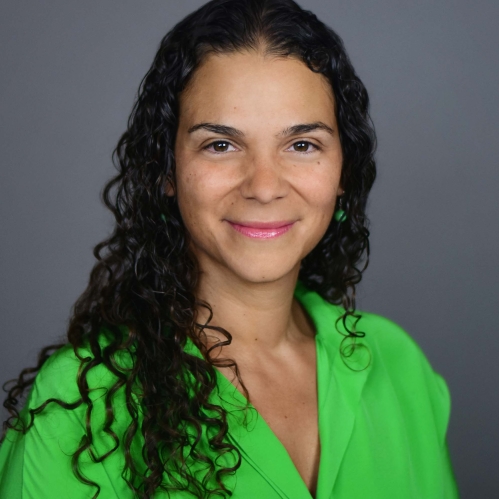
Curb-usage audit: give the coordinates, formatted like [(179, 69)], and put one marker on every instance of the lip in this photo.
[(262, 230), (263, 225)]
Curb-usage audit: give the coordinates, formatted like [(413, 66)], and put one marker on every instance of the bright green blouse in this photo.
[(382, 429)]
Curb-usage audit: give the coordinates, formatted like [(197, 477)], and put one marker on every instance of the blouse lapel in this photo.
[(339, 386), (341, 393)]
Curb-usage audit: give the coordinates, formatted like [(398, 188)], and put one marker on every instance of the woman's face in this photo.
[(259, 168)]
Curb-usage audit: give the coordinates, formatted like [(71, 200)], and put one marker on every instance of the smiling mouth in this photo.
[(265, 230)]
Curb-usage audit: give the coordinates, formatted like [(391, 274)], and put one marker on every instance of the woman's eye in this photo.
[(303, 147), (219, 146)]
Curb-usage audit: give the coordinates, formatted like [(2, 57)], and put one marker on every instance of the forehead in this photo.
[(252, 84)]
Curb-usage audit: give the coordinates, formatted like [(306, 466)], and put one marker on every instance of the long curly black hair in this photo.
[(141, 290)]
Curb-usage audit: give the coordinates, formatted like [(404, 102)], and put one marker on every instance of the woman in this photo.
[(217, 350)]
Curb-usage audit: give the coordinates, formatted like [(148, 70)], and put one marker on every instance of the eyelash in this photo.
[(317, 148)]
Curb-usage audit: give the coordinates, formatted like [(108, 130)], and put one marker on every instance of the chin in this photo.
[(263, 273)]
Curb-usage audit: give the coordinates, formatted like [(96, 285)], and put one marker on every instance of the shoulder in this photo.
[(59, 377), (389, 343), (392, 350), (398, 372), (381, 334), (73, 394), (392, 346), (400, 365), (62, 426), (388, 338)]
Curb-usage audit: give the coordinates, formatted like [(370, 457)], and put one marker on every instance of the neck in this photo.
[(259, 316)]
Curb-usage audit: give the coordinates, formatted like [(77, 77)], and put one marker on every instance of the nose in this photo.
[(263, 178)]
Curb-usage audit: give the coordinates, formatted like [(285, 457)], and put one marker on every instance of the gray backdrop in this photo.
[(68, 76)]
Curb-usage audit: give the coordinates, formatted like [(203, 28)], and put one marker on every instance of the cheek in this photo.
[(189, 195), (325, 205), (204, 183), (322, 189), (198, 191)]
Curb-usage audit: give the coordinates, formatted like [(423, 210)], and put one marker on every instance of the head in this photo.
[(259, 67), (254, 69)]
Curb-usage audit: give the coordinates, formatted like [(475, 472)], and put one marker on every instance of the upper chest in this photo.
[(285, 396), (291, 413)]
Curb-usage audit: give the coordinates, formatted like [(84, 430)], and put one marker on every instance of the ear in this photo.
[(169, 188), (340, 191)]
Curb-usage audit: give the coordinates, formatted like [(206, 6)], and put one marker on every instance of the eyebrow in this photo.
[(287, 132)]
